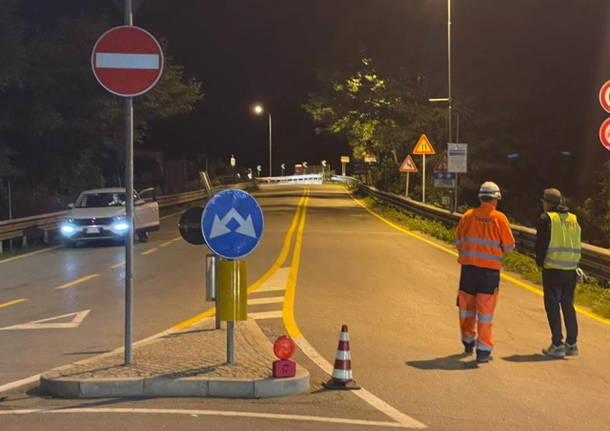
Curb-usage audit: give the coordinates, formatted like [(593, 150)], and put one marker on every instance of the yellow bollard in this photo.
[(232, 290)]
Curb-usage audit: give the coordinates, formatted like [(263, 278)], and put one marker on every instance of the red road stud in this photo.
[(342, 372), (284, 348)]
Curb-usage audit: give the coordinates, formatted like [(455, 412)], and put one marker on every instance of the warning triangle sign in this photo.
[(441, 163), (408, 165), (423, 147)]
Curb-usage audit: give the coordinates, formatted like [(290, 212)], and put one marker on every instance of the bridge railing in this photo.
[(595, 260), (47, 223), (293, 179)]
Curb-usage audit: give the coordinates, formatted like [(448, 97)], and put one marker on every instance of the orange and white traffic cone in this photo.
[(342, 372)]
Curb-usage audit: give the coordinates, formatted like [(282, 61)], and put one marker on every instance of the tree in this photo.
[(375, 115), (60, 125)]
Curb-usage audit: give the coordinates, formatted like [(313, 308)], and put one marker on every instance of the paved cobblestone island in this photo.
[(190, 362)]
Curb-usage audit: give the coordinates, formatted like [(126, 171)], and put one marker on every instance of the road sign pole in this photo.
[(423, 179), (407, 186), (128, 209)]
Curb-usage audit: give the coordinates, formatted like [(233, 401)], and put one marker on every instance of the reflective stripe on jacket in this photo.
[(564, 247), (483, 236)]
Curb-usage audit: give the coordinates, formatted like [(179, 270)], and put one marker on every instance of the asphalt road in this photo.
[(395, 291)]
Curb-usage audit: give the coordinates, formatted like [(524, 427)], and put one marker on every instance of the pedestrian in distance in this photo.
[(558, 254), (482, 237)]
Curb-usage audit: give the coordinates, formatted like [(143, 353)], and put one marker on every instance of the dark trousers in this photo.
[(559, 288)]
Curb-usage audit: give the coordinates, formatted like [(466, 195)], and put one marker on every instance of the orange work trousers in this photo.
[(476, 317)]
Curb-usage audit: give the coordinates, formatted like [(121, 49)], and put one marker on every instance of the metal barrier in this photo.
[(595, 260), (20, 227), (293, 179)]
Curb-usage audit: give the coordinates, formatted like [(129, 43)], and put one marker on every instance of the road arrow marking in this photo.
[(45, 323), (219, 226)]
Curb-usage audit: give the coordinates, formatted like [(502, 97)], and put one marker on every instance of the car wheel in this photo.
[(69, 244), (142, 236)]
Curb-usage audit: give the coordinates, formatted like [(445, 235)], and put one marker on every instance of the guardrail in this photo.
[(21, 227), (595, 260), (293, 179)]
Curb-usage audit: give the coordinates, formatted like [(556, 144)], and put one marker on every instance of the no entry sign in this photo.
[(604, 134), (127, 61), (604, 96)]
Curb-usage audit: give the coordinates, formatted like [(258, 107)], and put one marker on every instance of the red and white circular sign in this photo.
[(604, 96), (604, 134), (127, 61)]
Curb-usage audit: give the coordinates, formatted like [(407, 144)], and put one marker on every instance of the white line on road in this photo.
[(404, 420), (266, 315), (260, 301), (12, 385), (222, 413)]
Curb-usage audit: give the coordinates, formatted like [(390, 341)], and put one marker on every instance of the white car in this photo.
[(100, 214)]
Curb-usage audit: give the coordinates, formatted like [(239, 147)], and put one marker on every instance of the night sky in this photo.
[(546, 57)]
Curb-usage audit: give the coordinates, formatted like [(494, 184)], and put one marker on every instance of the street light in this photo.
[(449, 98), (259, 110)]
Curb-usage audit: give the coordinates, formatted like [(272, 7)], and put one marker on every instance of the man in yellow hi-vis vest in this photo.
[(558, 253)]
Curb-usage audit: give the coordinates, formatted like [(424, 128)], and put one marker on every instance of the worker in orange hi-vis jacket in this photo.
[(483, 236)]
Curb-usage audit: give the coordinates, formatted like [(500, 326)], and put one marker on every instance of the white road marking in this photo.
[(259, 301), (266, 315), (126, 61), (40, 324), (276, 282), (222, 413), (18, 383), (402, 419)]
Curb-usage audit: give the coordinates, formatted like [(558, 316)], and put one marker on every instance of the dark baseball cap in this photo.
[(552, 196)]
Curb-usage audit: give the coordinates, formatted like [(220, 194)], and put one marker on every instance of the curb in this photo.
[(65, 387)]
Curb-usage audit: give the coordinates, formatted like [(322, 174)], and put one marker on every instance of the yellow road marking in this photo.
[(117, 265), (506, 277), (288, 308), (21, 256), (165, 244), (277, 264), (152, 250), (16, 301), (80, 280)]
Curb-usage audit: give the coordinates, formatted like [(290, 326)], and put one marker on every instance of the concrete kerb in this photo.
[(62, 387)]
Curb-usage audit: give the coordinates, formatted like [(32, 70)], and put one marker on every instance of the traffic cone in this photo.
[(342, 372)]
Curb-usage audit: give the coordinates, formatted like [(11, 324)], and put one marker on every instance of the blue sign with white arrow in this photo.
[(232, 223)]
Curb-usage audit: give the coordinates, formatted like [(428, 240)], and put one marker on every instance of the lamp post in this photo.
[(258, 110), (449, 98)]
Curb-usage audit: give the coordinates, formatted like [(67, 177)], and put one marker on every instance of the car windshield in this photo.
[(101, 200)]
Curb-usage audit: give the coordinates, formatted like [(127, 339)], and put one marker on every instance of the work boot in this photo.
[(468, 347), (571, 349), (483, 356), (555, 351)]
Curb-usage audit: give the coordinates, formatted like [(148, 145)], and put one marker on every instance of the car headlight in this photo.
[(120, 225), (67, 229)]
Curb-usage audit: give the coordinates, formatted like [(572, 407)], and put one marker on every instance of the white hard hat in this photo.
[(490, 189)]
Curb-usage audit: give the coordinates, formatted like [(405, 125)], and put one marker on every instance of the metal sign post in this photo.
[(127, 61), (423, 147), (128, 210)]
